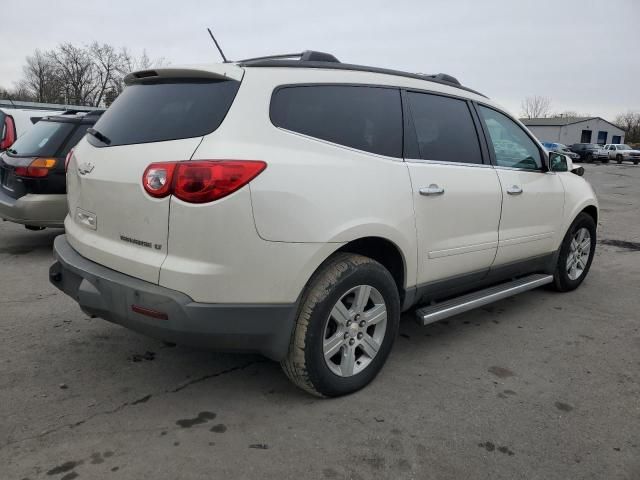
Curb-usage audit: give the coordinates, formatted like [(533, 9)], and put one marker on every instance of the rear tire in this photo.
[(576, 254), (339, 344), (635, 162), (605, 160)]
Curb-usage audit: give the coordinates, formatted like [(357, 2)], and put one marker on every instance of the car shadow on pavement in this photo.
[(20, 241)]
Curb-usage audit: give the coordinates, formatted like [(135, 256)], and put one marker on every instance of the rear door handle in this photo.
[(432, 189), (514, 190)]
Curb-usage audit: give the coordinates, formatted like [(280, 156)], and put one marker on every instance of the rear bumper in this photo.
[(105, 293), (32, 209)]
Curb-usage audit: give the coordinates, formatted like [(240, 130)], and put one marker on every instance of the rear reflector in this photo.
[(40, 167), (67, 159), (199, 181), (149, 312)]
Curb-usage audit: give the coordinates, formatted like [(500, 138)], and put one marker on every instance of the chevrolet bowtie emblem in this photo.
[(85, 168)]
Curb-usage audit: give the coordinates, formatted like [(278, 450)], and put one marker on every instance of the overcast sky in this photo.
[(583, 54)]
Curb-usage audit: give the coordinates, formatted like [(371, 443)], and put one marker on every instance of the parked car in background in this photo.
[(588, 152), (15, 122), (295, 207), (561, 148), (32, 170), (619, 152)]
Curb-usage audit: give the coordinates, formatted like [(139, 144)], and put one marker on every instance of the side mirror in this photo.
[(559, 162), (562, 163)]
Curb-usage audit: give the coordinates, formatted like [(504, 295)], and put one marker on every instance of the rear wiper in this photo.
[(103, 138)]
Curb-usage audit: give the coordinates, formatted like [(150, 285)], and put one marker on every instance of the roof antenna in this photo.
[(217, 46)]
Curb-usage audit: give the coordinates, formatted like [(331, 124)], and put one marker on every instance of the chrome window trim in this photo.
[(445, 162), (497, 167)]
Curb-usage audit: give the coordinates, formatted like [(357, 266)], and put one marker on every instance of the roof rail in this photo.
[(443, 78), (306, 56), (309, 59)]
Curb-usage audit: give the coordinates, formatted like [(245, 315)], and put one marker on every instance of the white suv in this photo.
[(296, 206)]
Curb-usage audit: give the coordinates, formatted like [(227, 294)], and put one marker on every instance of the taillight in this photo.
[(40, 167), (9, 133), (157, 179), (67, 159), (199, 181)]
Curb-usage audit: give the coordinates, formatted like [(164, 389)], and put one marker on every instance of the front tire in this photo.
[(576, 254), (619, 158), (589, 158), (347, 323), (605, 160)]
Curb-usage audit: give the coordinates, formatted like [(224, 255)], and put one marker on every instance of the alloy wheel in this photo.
[(579, 250), (354, 331)]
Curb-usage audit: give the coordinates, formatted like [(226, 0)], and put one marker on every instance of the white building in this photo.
[(569, 130)]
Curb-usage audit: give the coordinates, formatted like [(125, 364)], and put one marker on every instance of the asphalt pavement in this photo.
[(539, 386)]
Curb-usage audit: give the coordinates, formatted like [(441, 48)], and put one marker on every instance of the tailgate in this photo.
[(161, 116), (112, 220)]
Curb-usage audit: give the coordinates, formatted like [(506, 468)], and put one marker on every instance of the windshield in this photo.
[(624, 147), (44, 139)]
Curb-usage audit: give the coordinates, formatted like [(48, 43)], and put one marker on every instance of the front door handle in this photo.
[(514, 190), (432, 189)]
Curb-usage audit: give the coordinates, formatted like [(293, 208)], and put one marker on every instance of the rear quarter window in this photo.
[(168, 110), (361, 117)]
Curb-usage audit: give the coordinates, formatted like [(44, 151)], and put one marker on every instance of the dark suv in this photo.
[(32, 170), (588, 151)]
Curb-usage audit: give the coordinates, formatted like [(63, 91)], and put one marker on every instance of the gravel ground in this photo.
[(540, 386)]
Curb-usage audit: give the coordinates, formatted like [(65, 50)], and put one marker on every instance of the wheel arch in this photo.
[(383, 251), (592, 211)]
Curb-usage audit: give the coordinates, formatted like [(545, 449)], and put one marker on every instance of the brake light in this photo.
[(9, 135), (199, 181), (40, 167)]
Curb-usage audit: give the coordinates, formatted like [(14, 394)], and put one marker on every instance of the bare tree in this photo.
[(569, 114), (39, 78), (89, 75), (108, 67), (75, 70), (17, 93), (630, 123), (536, 107)]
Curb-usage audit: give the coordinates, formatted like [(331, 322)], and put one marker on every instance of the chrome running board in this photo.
[(439, 311)]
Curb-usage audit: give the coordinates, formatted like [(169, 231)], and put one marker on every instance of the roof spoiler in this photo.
[(210, 72)]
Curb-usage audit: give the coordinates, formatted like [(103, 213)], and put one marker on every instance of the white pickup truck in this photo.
[(619, 152)]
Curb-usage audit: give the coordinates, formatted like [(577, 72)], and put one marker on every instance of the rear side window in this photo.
[(361, 117), (44, 139), (444, 128), (160, 111)]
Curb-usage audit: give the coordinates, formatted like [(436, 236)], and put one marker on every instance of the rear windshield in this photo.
[(160, 111), (44, 139)]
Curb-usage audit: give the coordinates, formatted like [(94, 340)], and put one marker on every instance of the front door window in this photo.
[(511, 145)]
